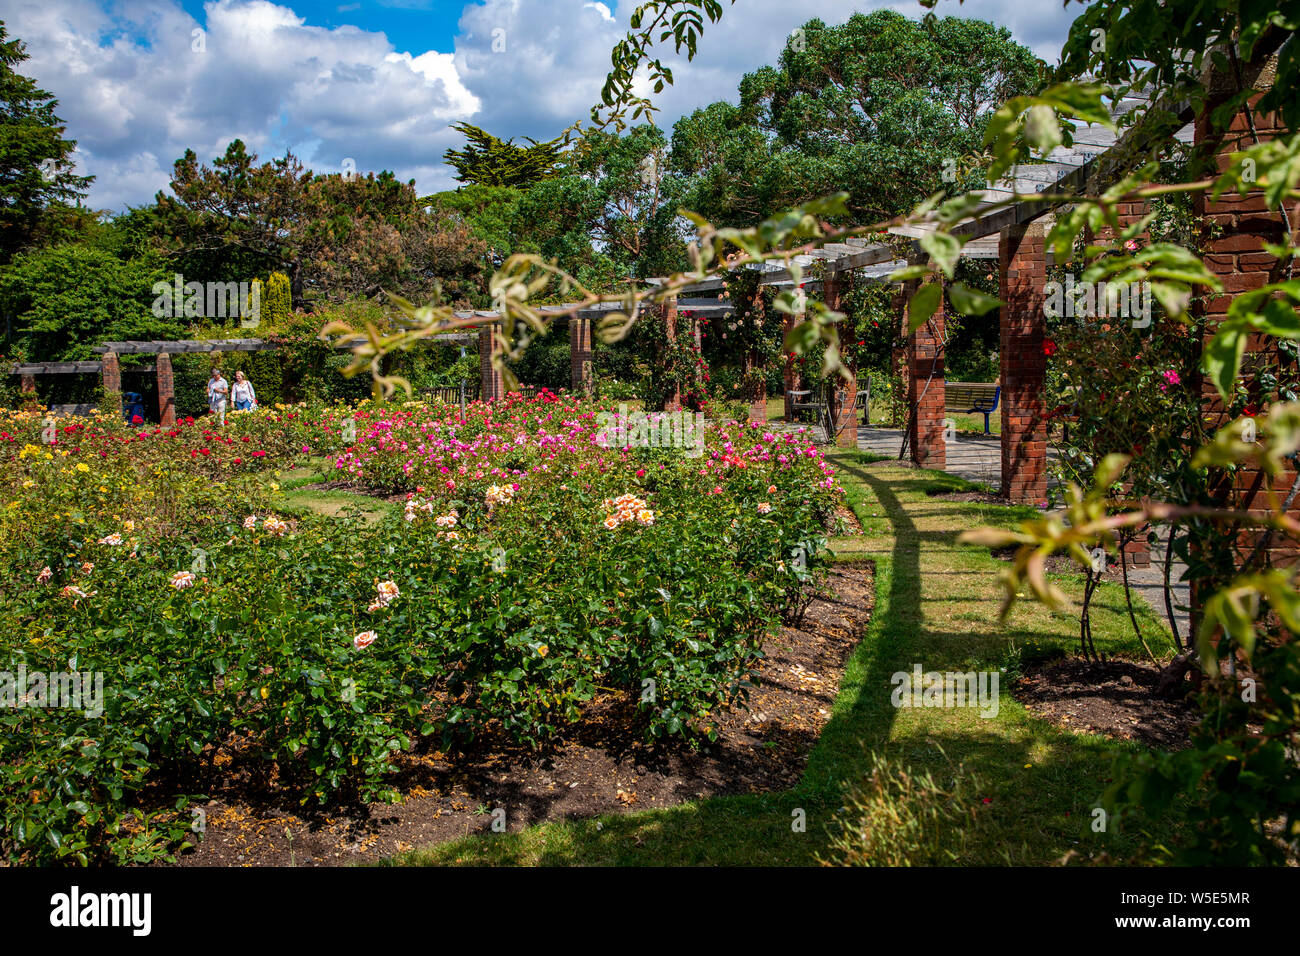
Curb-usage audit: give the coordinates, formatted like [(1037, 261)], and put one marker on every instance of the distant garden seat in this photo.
[(972, 398), (82, 409)]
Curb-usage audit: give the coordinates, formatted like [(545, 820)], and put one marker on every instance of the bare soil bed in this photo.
[(603, 765), (1113, 699)]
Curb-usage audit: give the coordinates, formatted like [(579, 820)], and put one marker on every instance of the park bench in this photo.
[(64, 411), (972, 398)]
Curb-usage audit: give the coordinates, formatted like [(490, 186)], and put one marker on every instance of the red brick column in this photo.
[(1238, 258), (491, 386), (1022, 259), (846, 393), (166, 390), (27, 384), (112, 381), (926, 392), (790, 376), (580, 367), (674, 402)]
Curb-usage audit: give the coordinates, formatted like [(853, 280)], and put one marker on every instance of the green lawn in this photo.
[(296, 498), (936, 606)]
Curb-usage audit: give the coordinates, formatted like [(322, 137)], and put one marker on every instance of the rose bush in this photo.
[(541, 568)]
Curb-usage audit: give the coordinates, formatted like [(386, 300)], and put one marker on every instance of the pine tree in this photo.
[(488, 160), (35, 164)]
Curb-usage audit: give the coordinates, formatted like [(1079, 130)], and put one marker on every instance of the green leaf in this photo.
[(944, 248), (1042, 129), (923, 304), (1222, 358), (970, 301)]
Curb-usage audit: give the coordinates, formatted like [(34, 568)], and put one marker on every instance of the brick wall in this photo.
[(1237, 257), (491, 386), (112, 381), (846, 393)]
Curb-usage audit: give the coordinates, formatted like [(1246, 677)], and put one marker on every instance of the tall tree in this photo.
[(848, 107), (614, 210), (36, 178), (335, 236)]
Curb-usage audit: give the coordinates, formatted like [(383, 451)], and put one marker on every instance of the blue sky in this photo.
[(378, 83)]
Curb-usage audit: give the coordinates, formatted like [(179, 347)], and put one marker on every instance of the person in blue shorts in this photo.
[(242, 393)]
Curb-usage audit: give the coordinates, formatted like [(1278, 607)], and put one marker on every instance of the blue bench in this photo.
[(972, 398)]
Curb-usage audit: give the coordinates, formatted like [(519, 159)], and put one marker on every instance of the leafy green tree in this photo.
[(489, 211), (488, 160), (851, 107), (233, 219), (614, 213), (36, 179), (68, 298)]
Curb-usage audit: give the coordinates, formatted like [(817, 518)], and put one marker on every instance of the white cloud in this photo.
[(135, 94), (133, 88)]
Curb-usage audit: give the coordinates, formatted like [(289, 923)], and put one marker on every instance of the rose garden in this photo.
[(944, 523)]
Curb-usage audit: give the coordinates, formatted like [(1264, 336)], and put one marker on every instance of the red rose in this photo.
[(1049, 347)]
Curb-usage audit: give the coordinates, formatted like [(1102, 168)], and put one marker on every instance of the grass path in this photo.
[(936, 605)]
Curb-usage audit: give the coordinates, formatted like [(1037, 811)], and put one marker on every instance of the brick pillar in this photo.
[(1237, 256), (846, 392), (757, 393), (926, 392), (27, 384), (1022, 260), (491, 386), (790, 376), (674, 402), (580, 367), (112, 381), (166, 390)]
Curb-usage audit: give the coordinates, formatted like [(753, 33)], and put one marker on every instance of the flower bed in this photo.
[(537, 571)]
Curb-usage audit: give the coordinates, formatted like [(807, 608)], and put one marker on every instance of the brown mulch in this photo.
[(1063, 563), (844, 514), (603, 765), (1113, 699), (983, 497)]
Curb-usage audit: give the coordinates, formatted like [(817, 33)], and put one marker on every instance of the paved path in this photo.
[(976, 458)]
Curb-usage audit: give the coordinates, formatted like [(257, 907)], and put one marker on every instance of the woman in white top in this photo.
[(243, 394)]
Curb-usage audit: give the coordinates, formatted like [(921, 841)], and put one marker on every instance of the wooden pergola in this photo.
[(1012, 234)]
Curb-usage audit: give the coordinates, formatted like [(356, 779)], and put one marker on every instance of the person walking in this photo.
[(243, 394), (218, 392)]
